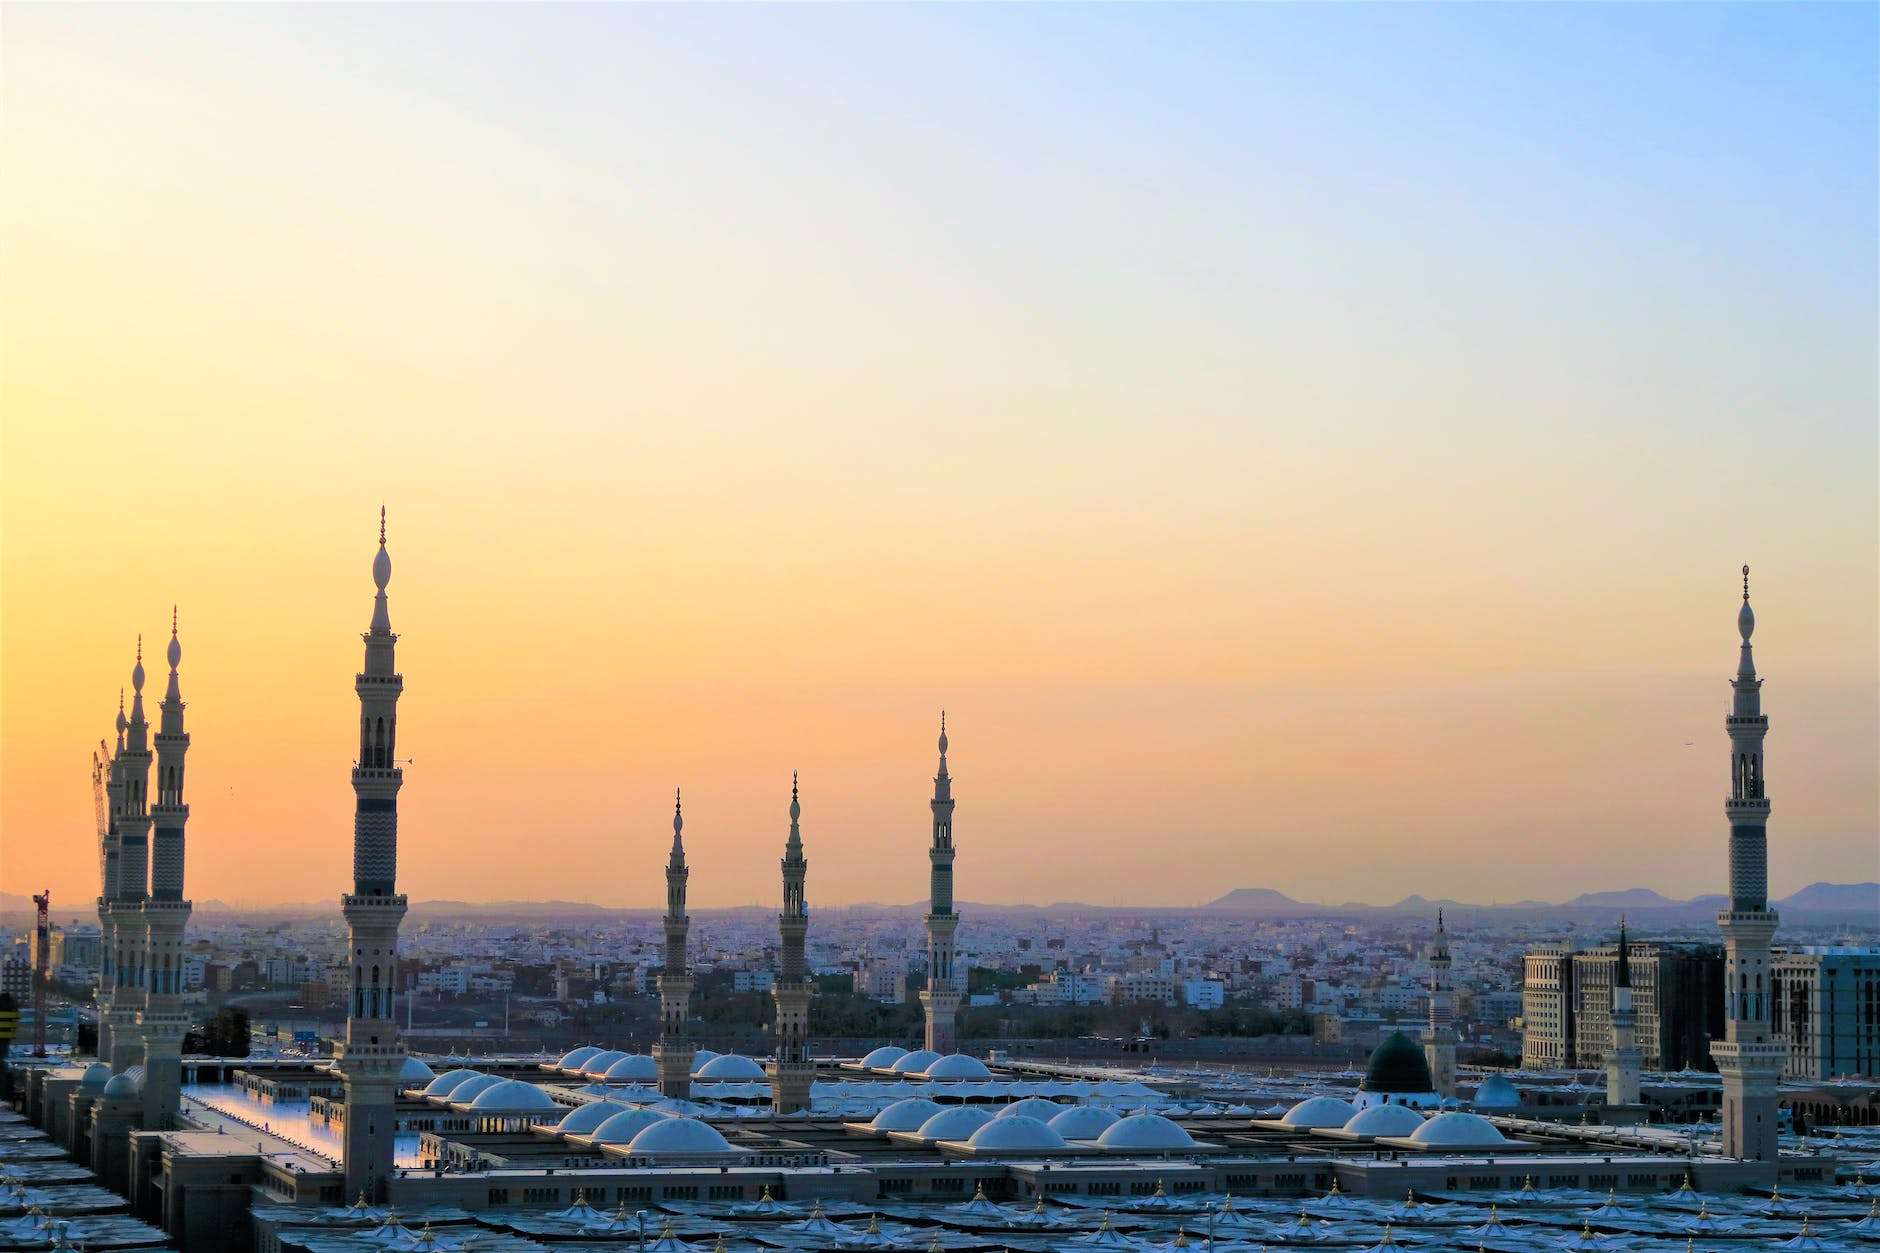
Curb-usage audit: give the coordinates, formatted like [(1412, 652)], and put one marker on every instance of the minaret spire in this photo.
[(673, 1052), (1439, 1038), (941, 997), (133, 884), (1748, 1060), (166, 912), (111, 954), (373, 1053), (1622, 1059), (791, 1070)]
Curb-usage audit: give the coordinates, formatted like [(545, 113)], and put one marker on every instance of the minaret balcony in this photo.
[(1746, 806)]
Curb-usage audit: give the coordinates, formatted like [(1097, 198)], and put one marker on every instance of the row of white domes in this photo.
[(1451, 1129), (926, 1063), (615, 1066), (1031, 1124)]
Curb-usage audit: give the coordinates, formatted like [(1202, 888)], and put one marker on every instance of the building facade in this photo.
[(1826, 1011)]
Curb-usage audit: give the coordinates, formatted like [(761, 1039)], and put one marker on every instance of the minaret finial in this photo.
[(382, 527), (1745, 582), (172, 621), (678, 817)]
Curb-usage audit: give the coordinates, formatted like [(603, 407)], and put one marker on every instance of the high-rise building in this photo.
[(1749, 1062), (791, 1069), (1439, 1039), (941, 996), (1566, 1004), (1547, 1007), (673, 1053), (372, 1054), (1826, 1011), (166, 913)]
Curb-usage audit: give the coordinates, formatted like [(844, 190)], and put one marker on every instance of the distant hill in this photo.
[(1260, 900), (1818, 902), (1625, 898), (1836, 897)]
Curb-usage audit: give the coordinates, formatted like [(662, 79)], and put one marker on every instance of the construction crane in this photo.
[(42, 938)]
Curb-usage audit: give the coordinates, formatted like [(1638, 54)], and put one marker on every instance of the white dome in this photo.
[(633, 1068), (597, 1065), (1032, 1107), (622, 1127), (1017, 1133), (415, 1072), (130, 1083), (1497, 1092), (96, 1076), (1146, 1131), (583, 1119), (1385, 1120), (905, 1115), (1319, 1111), (1456, 1129), (468, 1089), (679, 1136), (512, 1096), (884, 1057), (701, 1056), (957, 1066), (730, 1066), (914, 1063), (447, 1082), (1083, 1122), (576, 1058), (956, 1122)]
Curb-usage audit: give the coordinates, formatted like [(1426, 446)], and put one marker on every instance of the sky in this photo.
[(1301, 446)]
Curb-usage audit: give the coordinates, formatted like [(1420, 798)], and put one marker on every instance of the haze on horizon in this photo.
[(1308, 447)]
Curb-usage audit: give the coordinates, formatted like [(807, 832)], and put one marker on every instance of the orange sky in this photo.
[(1345, 516)]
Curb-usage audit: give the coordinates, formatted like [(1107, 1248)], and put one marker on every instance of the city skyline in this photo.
[(1324, 502)]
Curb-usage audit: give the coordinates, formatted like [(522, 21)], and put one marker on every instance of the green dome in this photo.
[(1397, 1066)]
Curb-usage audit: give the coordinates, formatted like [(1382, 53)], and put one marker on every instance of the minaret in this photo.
[(1439, 1040), (1747, 1060), (112, 854), (1622, 1058), (127, 914), (673, 1053), (373, 1054), (166, 913), (791, 1070), (941, 997)]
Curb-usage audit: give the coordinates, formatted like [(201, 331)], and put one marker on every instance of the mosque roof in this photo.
[(914, 1063), (1319, 1111), (955, 1122), (415, 1072), (883, 1057), (1398, 1065), (1497, 1092), (96, 1076), (512, 1096), (466, 1091), (1017, 1133), (597, 1065), (574, 1059), (1145, 1131), (1385, 1120), (729, 1066), (584, 1119), (447, 1082), (1082, 1122), (679, 1136), (1457, 1129), (905, 1115), (632, 1068), (1032, 1107), (957, 1066), (622, 1127)]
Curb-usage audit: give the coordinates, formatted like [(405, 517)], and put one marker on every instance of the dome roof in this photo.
[(729, 1066), (1398, 1065), (620, 1128), (914, 1063), (415, 1072), (1032, 1107), (511, 1096), (701, 1056), (468, 1089), (1083, 1122), (1146, 1131), (883, 1057), (574, 1059), (1017, 1133), (957, 1066), (632, 1068), (1385, 1120), (679, 1136), (130, 1083), (96, 1076), (1456, 1129), (447, 1082), (597, 1065), (583, 1119), (1319, 1111), (1496, 1092), (955, 1122), (905, 1115)]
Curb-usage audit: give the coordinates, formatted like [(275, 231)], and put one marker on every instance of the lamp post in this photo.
[(639, 1222)]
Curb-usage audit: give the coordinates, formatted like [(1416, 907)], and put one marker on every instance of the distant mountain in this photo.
[(1850, 898), (1259, 900), (1818, 902), (1625, 898)]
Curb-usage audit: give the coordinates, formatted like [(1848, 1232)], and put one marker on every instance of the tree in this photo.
[(224, 1035)]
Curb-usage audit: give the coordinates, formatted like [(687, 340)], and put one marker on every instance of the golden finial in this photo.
[(381, 526), (1745, 582)]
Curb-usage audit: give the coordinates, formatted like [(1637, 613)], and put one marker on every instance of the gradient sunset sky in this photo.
[(1302, 446)]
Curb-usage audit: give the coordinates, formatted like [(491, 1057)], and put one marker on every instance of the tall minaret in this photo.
[(127, 915), (791, 1070), (673, 1053), (166, 913), (1622, 1059), (1439, 1040), (940, 996), (1748, 1062), (113, 853), (373, 1054)]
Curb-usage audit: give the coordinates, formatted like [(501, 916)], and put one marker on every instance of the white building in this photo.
[(1826, 1003), (1204, 993)]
